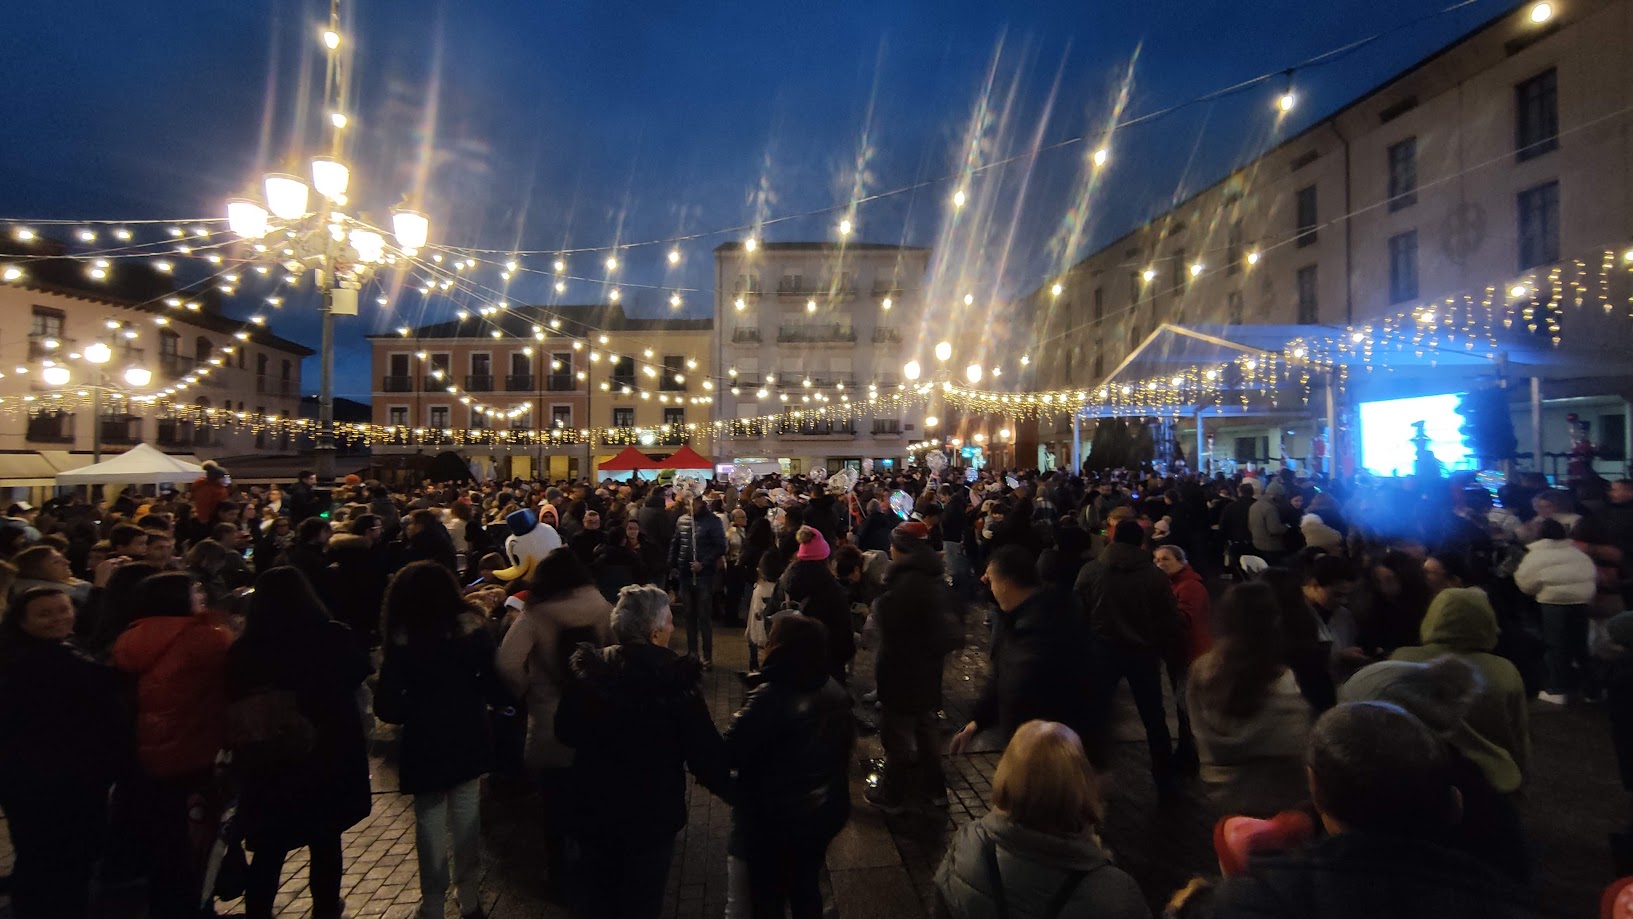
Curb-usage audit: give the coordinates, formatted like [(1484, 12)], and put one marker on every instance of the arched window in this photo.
[(202, 349)]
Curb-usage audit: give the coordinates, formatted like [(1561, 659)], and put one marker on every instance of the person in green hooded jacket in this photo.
[(1461, 622)]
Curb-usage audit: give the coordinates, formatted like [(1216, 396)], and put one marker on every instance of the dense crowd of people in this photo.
[(189, 681)]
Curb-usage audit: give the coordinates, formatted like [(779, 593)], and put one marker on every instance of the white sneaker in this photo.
[(1554, 698)]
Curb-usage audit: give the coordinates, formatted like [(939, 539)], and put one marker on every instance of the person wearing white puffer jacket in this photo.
[(1562, 578)]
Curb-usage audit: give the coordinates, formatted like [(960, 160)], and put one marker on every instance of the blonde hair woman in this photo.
[(1035, 853)]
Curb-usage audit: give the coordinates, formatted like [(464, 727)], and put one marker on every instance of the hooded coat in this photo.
[(636, 719), (180, 665), (1265, 523), (1254, 765), (1033, 868), (1461, 622), (533, 664)]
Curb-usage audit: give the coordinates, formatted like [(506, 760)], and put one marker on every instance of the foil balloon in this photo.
[(818, 475), (902, 503), (867, 466), (936, 461), (970, 475), (1011, 481), (741, 476), (842, 481), (689, 485)]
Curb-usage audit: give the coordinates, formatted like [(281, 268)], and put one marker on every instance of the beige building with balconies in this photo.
[(54, 310), (1501, 157), (544, 391), (810, 326)]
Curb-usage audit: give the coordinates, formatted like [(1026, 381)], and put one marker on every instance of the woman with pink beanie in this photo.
[(809, 583)]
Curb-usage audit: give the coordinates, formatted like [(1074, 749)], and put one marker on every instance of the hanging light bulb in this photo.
[(674, 256), (1056, 290), (845, 227), (138, 376), (959, 198), (885, 303), (98, 353), (285, 195), (612, 263), (1100, 156), (911, 370), (331, 39), (330, 176), (56, 375), (674, 300), (750, 244), (944, 350), (973, 373)]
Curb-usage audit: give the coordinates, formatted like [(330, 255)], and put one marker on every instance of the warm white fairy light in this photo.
[(1056, 289), (959, 198), (674, 256), (1100, 156), (1253, 257), (845, 227)]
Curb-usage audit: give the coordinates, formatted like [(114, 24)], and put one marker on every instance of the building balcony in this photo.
[(519, 382), (122, 430), (834, 334), (434, 383), (387, 384), (887, 337), (887, 289), (745, 336), (479, 382), (51, 428), (561, 382), (41, 346), (887, 428)]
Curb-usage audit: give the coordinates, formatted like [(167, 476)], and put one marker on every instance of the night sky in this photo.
[(582, 123)]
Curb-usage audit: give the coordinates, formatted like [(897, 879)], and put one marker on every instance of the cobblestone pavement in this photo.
[(883, 866)]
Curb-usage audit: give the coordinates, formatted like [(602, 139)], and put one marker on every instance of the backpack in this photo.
[(266, 731)]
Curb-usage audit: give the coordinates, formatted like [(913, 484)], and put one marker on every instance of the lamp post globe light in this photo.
[(300, 231), (97, 354)]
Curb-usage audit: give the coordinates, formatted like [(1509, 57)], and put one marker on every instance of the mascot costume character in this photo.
[(529, 542)]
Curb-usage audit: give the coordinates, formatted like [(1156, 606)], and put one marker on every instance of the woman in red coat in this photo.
[(177, 656), (209, 490)]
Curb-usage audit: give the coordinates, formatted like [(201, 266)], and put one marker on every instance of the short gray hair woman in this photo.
[(641, 611)]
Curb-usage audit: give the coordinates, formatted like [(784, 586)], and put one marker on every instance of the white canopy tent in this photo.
[(140, 465)]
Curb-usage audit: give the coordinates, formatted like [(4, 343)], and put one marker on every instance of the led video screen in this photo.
[(1387, 431)]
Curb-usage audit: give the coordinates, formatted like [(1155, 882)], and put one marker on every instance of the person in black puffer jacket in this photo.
[(1136, 627), (291, 645), (436, 680), (913, 617), (635, 716), (791, 746)]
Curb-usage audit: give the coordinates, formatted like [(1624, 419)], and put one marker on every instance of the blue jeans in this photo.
[(958, 565), (437, 815), (1565, 632), (697, 593)]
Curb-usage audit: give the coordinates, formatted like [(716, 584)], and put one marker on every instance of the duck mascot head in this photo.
[(529, 542)]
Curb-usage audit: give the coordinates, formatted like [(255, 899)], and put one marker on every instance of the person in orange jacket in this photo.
[(177, 654), (1191, 595), (209, 490)]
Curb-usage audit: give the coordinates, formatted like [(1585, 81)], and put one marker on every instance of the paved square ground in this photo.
[(882, 866)]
